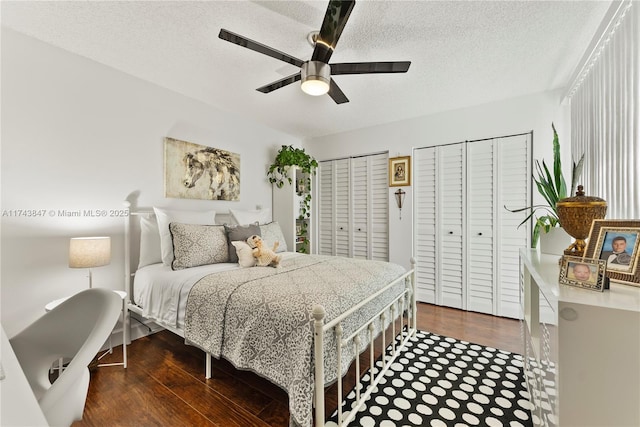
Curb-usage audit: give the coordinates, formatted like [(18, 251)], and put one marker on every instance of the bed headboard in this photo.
[(132, 240)]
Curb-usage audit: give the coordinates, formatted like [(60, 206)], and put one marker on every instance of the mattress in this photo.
[(162, 292)]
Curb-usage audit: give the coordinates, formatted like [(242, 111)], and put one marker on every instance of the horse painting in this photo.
[(221, 169), (199, 172)]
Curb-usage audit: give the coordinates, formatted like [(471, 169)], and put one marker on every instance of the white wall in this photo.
[(519, 115), (77, 135)]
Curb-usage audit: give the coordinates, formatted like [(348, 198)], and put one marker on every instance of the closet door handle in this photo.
[(480, 234), (359, 229), (451, 232)]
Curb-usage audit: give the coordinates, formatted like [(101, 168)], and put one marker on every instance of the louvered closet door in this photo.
[(342, 208), (370, 207), (512, 190), (353, 207), (481, 283), (450, 213), (361, 201), (424, 163), (326, 208), (379, 208), (334, 208), (466, 243)]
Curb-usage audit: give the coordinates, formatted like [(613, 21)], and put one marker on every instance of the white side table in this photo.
[(123, 295)]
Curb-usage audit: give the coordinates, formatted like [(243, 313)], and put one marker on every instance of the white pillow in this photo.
[(149, 242), (245, 254), (262, 216), (167, 216), (272, 233)]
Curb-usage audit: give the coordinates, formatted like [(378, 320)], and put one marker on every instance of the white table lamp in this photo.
[(89, 252)]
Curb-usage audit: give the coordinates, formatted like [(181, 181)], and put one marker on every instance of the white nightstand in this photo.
[(123, 296)]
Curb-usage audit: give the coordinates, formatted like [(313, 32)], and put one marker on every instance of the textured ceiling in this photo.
[(463, 53)]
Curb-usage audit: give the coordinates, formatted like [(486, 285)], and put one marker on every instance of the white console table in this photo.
[(582, 348)]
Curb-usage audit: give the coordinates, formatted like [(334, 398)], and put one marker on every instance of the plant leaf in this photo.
[(576, 171), (552, 187), (545, 186), (561, 185)]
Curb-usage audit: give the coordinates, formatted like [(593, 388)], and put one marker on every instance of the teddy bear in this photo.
[(266, 257)]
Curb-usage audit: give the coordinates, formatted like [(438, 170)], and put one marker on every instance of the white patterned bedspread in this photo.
[(260, 318)]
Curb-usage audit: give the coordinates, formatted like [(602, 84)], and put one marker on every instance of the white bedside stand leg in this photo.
[(125, 331), (125, 336), (122, 295)]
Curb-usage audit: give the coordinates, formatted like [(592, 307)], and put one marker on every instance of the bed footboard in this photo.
[(405, 302)]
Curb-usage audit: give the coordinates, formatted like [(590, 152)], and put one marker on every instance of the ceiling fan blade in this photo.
[(369, 67), (334, 21), (336, 93), (258, 47), (280, 83)]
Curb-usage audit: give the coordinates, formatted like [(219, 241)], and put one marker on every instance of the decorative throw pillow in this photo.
[(245, 254), (167, 216), (272, 233), (262, 216), (195, 245), (149, 242), (239, 233)]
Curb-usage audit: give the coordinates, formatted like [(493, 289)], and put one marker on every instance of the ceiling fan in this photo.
[(316, 73)]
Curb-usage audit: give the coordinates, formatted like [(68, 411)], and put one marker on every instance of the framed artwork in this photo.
[(193, 171), (617, 242), (587, 273), (400, 171)]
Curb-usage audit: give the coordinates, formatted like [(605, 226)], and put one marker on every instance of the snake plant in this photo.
[(552, 187)]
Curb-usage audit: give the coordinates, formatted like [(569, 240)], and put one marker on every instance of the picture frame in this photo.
[(586, 273), (194, 171), (622, 267), (400, 171)]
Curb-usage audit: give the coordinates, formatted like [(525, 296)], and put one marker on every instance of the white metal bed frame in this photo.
[(405, 302)]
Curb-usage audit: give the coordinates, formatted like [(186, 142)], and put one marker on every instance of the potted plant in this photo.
[(279, 172), (552, 187)]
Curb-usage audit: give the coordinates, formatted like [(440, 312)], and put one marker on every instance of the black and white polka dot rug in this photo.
[(440, 381)]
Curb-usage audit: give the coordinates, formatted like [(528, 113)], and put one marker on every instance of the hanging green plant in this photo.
[(278, 173), (289, 156)]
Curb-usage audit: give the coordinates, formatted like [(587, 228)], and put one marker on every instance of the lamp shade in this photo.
[(315, 77), (88, 252)]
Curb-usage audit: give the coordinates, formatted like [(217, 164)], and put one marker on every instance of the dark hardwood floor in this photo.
[(164, 384)]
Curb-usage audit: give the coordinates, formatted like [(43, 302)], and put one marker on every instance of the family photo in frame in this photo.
[(587, 273), (617, 243)]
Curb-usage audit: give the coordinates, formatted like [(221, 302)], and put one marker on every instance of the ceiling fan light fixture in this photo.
[(315, 78), (312, 37)]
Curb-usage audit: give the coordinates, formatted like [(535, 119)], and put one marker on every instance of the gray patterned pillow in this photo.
[(241, 233), (272, 233), (195, 245)]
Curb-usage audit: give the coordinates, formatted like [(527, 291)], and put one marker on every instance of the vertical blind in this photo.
[(605, 115)]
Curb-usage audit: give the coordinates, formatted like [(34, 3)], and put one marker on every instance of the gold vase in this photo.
[(576, 215)]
